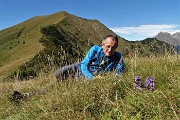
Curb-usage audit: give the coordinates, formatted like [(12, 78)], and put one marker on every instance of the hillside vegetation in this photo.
[(107, 98), (31, 51), (20, 43), (28, 46)]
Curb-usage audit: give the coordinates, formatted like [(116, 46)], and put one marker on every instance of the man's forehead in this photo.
[(110, 41)]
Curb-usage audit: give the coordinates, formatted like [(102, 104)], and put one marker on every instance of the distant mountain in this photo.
[(176, 36), (168, 38), (59, 39)]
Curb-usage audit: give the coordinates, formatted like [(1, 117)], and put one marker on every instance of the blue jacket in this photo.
[(92, 63)]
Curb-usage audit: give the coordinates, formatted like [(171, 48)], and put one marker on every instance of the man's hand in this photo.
[(97, 77)]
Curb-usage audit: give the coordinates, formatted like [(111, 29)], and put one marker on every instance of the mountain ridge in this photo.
[(27, 32), (173, 39), (176, 36), (41, 36)]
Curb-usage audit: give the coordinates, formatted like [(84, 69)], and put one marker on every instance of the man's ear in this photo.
[(102, 45)]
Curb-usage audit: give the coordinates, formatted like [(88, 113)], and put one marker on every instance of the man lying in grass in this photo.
[(99, 59)]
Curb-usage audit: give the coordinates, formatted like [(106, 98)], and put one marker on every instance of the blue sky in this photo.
[(130, 19)]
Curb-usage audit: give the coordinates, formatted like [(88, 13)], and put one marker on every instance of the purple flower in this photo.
[(149, 83), (137, 80), (137, 83)]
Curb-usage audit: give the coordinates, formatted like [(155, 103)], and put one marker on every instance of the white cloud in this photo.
[(144, 31)]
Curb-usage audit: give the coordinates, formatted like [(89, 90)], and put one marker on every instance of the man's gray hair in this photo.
[(114, 38)]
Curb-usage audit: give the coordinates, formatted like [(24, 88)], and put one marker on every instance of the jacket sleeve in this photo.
[(120, 67), (84, 64)]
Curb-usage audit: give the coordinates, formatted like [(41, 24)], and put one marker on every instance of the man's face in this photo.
[(109, 46)]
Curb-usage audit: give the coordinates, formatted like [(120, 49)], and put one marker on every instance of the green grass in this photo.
[(21, 45), (107, 98)]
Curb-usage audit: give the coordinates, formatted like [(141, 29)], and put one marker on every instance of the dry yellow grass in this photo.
[(41, 81), (106, 98)]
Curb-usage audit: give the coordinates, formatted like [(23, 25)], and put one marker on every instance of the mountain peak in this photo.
[(176, 36), (163, 33), (168, 38)]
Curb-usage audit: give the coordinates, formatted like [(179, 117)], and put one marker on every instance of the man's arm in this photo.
[(120, 67), (85, 62)]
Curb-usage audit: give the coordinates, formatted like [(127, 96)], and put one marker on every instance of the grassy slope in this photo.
[(13, 51), (20, 43), (108, 98)]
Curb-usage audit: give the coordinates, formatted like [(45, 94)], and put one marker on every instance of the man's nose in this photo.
[(110, 49)]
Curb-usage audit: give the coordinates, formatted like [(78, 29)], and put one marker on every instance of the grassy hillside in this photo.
[(30, 45), (73, 36), (107, 98), (20, 43)]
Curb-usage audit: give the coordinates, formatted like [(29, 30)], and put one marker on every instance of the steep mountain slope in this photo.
[(176, 36), (59, 39), (168, 38), (19, 43)]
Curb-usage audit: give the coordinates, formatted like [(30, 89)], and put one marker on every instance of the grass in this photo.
[(20, 43), (107, 98)]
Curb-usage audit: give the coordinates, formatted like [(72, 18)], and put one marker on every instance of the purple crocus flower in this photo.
[(137, 80), (150, 83), (137, 84)]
